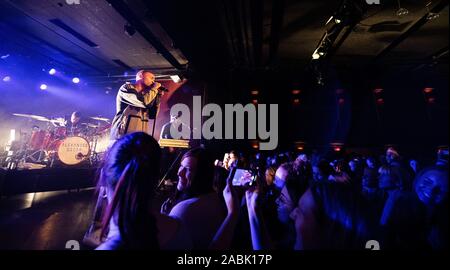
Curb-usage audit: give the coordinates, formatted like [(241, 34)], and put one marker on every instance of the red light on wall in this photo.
[(380, 101), (300, 148), (337, 149), (254, 92), (431, 100), (428, 90), (255, 101), (378, 90), (341, 101), (296, 101), (296, 92)]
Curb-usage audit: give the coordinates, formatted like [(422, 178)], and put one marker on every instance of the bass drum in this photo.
[(73, 150)]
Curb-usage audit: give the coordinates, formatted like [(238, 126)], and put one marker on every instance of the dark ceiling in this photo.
[(216, 36), (236, 46)]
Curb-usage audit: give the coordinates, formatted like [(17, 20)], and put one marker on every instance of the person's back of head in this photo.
[(389, 177), (342, 216), (130, 172), (321, 171)]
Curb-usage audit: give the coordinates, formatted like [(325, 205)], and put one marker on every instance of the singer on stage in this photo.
[(136, 104)]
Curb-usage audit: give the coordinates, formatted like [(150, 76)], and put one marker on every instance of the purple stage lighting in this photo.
[(52, 71), (75, 80), (43, 87)]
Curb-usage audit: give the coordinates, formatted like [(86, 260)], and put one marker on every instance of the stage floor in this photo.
[(45, 220)]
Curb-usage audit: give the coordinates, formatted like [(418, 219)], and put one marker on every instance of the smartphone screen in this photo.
[(242, 177)]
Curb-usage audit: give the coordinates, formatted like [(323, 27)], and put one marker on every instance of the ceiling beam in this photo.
[(414, 28), (140, 27)]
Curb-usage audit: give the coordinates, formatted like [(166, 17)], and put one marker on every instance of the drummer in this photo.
[(75, 127)]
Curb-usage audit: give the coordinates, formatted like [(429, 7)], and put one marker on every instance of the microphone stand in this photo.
[(154, 115), (169, 170)]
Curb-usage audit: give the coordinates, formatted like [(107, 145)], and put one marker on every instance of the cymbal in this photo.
[(32, 116), (100, 119), (90, 125)]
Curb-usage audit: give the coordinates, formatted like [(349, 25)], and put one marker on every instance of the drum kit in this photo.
[(58, 144)]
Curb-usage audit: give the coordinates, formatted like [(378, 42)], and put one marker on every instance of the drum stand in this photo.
[(32, 156), (93, 158)]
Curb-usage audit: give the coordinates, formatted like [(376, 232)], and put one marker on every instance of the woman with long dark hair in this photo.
[(130, 174)]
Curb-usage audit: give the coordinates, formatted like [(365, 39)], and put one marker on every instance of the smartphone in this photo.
[(243, 177)]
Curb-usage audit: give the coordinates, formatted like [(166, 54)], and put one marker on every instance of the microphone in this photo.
[(162, 88)]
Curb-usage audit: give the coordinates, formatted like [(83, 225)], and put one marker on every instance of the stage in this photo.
[(13, 182)]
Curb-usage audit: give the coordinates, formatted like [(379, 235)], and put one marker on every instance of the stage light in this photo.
[(255, 101), (296, 101), (378, 90), (431, 15), (315, 55), (380, 101), (175, 78), (337, 147), (75, 80), (296, 92), (12, 135), (52, 71), (341, 101), (428, 90), (255, 145), (431, 100), (43, 87), (254, 92), (6, 79)]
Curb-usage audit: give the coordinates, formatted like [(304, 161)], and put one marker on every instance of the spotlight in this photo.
[(12, 135), (175, 78), (315, 55), (52, 71), (43, 87), (427, 90), (76, 80), (378, 90), (402, 12), (6, 79), (431, 15)]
